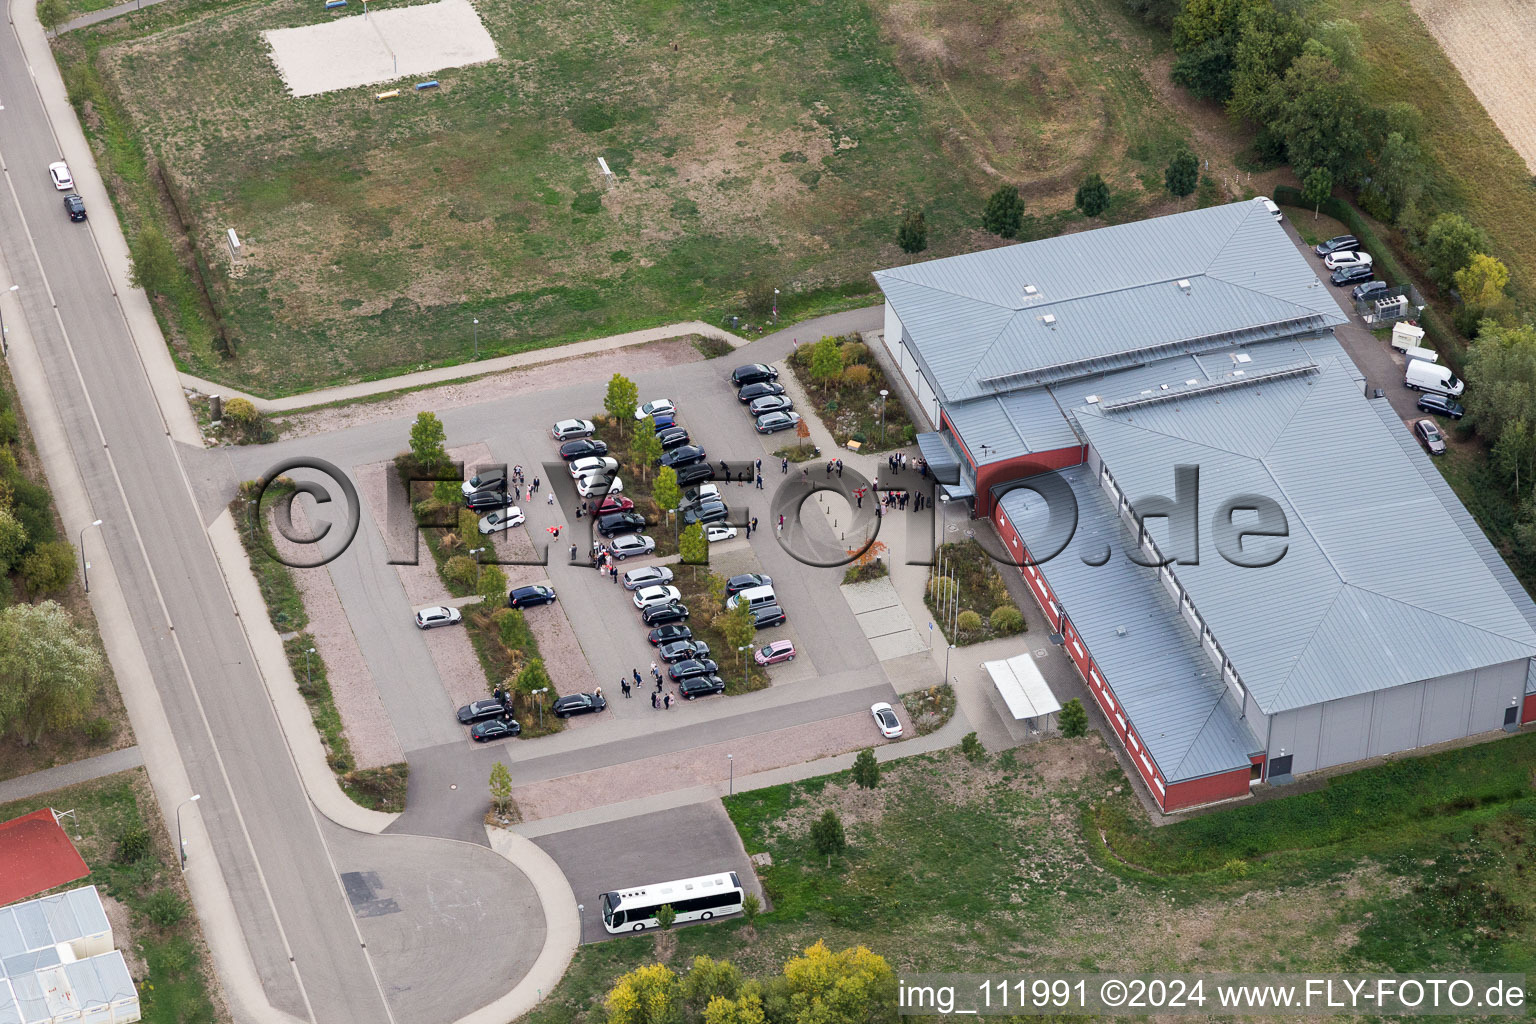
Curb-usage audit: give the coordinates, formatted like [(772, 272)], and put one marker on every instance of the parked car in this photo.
[(598, 483), (886, 720), (709, 512), (692, 667), (659, 594), (682, 650), (62, 179), (647, 576), (480, 710), (1362, 292), (719, 531), (768, 616), (1442, 405), (753, 373), (568, 430), (747, 580), (769, 403), (495, 729), (579, 704), (632, 545), (700, 494), (430, 618), (773, 422), (672, 437), (527, 597), (685, 455), (486, 480), (613, 503), (583, 448), (620, 522), (594, 464), (663, 406), (1429, 433), (662, 614), (1347, 258), (695, 474), (74, 206), (772, 654), (1349, 275), (1269, 205), (700, 686), (664, 421), (762, 389), (1338, 243), (667, 634), (486, 501), (503, 520)]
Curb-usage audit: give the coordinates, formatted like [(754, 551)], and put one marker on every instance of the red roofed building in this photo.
[(35, 856)]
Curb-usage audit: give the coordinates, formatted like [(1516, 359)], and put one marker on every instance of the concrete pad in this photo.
[(885, 621), (867, 596), (381, 46), (896, 645)]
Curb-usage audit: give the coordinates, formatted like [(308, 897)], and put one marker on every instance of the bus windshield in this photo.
[(608, 908)]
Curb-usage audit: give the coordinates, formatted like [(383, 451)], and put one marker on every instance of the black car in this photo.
[(672, 437), (1365, 291), (686, 455), (770, 403), (583, 448), (495, 729), (746, 581), (709, 512), (753, 373), (1348, 275), (768, 615), (697, 473), (1339, 243), (692, 667), (489, 501), (620, 522), (681, 650), (480, 710), (700, 686), (661, 614), (1441, 405), (74, 206), (487, 480), (762, 389), (527, 597), (579, 704), (668, 634)]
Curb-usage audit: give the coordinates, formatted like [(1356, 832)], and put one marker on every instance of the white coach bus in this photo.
[(693, 899)]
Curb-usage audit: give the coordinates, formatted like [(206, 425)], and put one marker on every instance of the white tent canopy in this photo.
[(1024, 690)]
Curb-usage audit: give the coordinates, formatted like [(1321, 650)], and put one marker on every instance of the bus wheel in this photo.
[(705, 916), (638, 928)]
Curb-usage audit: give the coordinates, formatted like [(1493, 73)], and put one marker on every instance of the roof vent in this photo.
[(1241, 357), (1238, 373), (1048, 319), (1121, 631), (1163, 387), (1030, 291), (1191, 382), (1092, 399), (1184, 284)]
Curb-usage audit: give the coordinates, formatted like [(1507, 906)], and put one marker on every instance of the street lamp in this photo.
[(181, 844), (85, 567), (309, 682), (946, 662), (5, 341), (883, 394), (731, 760), (477, 338), (745, 667), (538, 702), (775, 305), (476, 553)]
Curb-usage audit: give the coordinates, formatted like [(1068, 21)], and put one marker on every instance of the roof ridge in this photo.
[(1194, 739), (1323, 366), (1237, 225), (1439, 615), (945, 291), (1285, 682)]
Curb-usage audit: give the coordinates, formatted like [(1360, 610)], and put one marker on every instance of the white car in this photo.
[(1269, 205), (598, 483), (646, 576), (593, 464), (1340, 260), (570, 430), (439, 616), (886, 720), (503, 520), (701, 494), (649, 409), (647, 596), (719, 531), (637, 544), (62, 179)]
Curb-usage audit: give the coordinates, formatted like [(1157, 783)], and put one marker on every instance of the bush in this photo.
[(10, 430), (866, 770), (132, 843), (856, 376), (1004, 214), (99, 730), (1073, 720), (968, 622), (1092, 196), (971, 747), (49, 567), (152, 261), (461, 570), (165, 908), (827, 835), (1007, 620)]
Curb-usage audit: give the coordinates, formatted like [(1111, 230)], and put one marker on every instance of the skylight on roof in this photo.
[(1048, 319)]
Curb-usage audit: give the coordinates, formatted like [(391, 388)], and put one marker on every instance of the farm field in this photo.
[(752, 151)]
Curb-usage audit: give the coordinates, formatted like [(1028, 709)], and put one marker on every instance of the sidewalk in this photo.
[(49, 779), (105, 14)]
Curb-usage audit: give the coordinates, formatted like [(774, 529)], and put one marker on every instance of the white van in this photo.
[(755, 597), (1422, 376)]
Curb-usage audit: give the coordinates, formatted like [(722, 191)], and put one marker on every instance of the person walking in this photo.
[(831, 465), (653, 701), (839, 469), (666, 702), (613, 574), (655, 671), (757, 467), (784, 465), (549, 499), (658, 682), (759, 479), (637, 675), (753, 524), (624, 685)]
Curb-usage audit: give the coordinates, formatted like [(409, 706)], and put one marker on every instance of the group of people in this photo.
[(660, 698)]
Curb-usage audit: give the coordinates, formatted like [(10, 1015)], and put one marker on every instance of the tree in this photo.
[(1004, 213), (49, 567), (912, 236), (429, 443), (493, 585), (621, 400), (738, 626), (646, 995), (1182, 174), (751, 906), (1482, 281), (692, 547), (1092, 196), (709, 979), (501, 787), (49, 670), (1449, 245), (971, 746), (803, 432), (747, 1009), (13, 540), (1206, 70), (666, 916), (646, 450), (826, 361), (1073, 720), (1317, 186), (152, 261), (866, 770), (51, 14), (1398, 176), (827, 835), (1319, 118), (1268, 38), (1501, 393), (533, 676), (665, 490), (852, 986)]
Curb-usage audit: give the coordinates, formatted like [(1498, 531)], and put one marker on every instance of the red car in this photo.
[(614, 503), (772, 654)]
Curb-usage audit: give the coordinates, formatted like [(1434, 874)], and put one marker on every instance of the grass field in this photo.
[(753, 150)]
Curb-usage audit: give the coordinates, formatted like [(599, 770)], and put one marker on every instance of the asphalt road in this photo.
[(297, 922)]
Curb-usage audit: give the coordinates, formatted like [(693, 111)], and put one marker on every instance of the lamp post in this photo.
[(5, 341), (538, 702), (745, 666), (85, 567), (476, 553), (775, 305), (309, 680), (477, 337), (730, 759), (947, 653), (883, 394), (181, 844)]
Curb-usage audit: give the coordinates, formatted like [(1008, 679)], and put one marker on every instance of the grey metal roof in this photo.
[(1018, 423), (939, 452), (1102, 297), (1172, 692), (1345, 611)]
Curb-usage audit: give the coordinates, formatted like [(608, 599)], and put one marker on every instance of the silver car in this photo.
[(646, 576), (632, 545), (570, 430)]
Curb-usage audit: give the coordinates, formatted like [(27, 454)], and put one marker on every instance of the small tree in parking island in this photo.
[(827, 835), (429, 443), (1182, 174), (501, 787), (666, 492), (621, 400), (738, 626), (493, 585), (803, 432), (646, 450), (665, 917), (912, 236), (1004, 214), (826, 361), (1092, 196), (693, 547), (866, 770), (1073, 720)]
